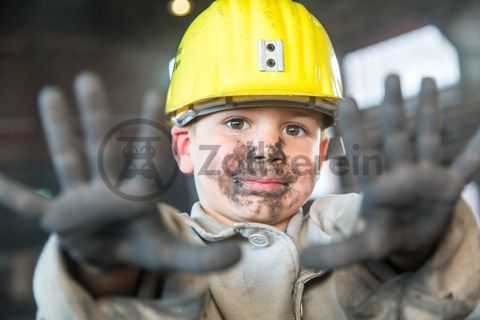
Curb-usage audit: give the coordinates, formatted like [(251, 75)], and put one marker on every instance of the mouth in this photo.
[(262, 183)]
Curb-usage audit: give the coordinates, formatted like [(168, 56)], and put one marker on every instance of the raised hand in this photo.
[(407, 209), (95, 226)]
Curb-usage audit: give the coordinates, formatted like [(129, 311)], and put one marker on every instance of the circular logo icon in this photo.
[(135, 160)]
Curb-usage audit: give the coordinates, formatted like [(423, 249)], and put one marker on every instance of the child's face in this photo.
[(253, 164)]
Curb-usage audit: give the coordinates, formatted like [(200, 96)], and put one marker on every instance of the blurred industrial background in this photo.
[(131, 45)]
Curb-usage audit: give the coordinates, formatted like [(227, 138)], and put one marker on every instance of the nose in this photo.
[(267, 144)]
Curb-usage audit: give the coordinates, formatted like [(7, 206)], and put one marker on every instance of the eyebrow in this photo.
[(319, 117)]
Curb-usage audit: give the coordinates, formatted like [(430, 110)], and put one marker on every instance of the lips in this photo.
[(264, 183)]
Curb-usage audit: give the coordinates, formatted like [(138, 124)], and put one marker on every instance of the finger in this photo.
[(191, 258), (154, 255), (59, 134), (358, 248), (153, 110), (92, 104), (156, 248), (145, 242), (467, 164), (21, 199), (89, 208), (358, 147), (170, 253), (428, 122), (395, 143)]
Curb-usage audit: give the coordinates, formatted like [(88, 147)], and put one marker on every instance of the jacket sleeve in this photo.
[(59, 296), (447, 286)]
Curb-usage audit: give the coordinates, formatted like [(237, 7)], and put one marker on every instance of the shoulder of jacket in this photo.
[(176, 222)]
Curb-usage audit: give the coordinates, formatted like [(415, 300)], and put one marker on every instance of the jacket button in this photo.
[(258, 240)]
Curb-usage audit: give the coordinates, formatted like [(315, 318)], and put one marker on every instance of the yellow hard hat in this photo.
[(244, 53)]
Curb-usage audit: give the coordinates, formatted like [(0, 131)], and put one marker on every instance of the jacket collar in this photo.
[(210, 229)]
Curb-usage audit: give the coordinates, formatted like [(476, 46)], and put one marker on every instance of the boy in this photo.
[(257, 83)]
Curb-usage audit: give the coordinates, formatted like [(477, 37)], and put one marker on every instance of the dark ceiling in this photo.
[(350, 23)]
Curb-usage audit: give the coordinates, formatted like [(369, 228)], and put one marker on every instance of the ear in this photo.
[(181, 148), (323, 149)]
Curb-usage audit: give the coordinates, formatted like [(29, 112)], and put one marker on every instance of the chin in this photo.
[(263, 210)]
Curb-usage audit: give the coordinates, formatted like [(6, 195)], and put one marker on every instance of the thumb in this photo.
[(213, 257)]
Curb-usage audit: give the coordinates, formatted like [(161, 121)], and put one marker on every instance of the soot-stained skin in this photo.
[(248, 161)]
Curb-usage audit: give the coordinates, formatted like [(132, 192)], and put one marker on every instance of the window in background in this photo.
[(413, 55), (328, 183)]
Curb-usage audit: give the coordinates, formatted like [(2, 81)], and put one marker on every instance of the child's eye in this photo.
[(294, 130), (237, 124)]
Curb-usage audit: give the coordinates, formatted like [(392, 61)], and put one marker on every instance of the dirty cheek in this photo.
[(243, 161)]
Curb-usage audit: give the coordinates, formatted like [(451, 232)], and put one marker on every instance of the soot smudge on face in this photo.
[(247, 160)]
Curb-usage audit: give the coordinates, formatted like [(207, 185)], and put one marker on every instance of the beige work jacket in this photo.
[(270, 283)]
